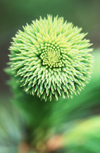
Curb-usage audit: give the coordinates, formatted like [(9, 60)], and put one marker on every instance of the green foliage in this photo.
[(69, 118), (50, 58), (10, 129), (84, 136)]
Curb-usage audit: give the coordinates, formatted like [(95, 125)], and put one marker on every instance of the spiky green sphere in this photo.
[(50, 58)]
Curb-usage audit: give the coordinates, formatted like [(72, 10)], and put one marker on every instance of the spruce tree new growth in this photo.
[(49, 60)]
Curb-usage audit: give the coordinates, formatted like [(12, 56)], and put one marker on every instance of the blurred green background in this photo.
[(82, 113)]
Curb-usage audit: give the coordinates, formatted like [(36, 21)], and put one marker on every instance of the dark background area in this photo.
[(16, 13)]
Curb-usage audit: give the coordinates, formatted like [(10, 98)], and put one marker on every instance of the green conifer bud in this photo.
[(51, 58)]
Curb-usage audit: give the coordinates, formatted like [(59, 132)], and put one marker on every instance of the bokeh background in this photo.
[(82, 13)]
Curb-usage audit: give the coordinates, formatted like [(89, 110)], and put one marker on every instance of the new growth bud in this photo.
[(51, 58)]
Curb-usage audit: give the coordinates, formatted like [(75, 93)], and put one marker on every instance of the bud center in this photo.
[(51, 57)]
